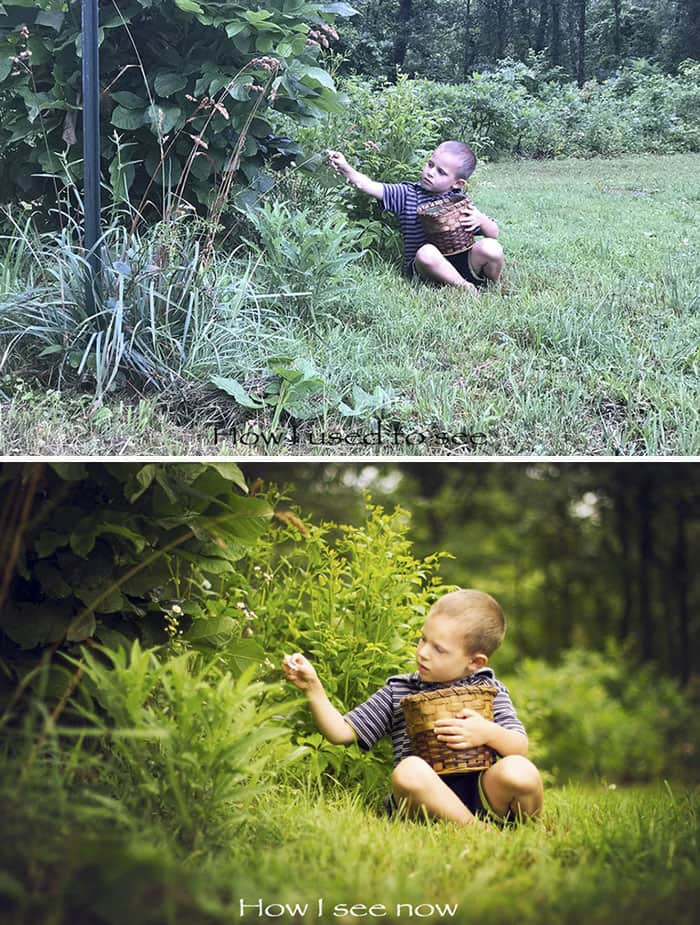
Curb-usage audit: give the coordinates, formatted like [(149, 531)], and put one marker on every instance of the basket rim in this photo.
[(450, 691), (444, 205)]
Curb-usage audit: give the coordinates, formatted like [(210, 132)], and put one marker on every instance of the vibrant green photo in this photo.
[(194, 659), (402, 228)]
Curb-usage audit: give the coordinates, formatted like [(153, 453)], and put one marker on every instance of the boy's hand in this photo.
[(468, 729), (472, 218), (337, 161), (300, 671)]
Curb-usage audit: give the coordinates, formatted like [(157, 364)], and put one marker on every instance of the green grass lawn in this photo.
[(592, 349), (598, 855)]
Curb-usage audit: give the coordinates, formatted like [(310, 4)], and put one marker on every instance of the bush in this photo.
[(386, 131), (597, 715), (192, 86), (352, 599), (515, 108), (183, 740), (302, 255)]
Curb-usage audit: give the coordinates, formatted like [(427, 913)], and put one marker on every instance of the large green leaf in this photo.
[(167, 84), (162, 117), (234, 388), (127, 118), (31, 625)]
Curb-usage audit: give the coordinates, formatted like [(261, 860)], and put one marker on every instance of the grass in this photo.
[(592, 349), (597, 855)]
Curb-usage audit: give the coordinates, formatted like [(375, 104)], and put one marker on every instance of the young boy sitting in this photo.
[(461, 631), (444, 174)]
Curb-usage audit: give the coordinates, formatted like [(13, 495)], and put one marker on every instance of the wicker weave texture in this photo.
[(422, 710), (442, 224)]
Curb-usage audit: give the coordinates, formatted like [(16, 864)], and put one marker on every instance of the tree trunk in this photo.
[(617, 32), (680, 572), (555, 45), (581, 57), (645, 508), (541, 39), (622, 517), (403, 26), (468, 56)]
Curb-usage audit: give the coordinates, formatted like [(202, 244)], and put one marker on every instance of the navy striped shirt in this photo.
[(382, 713), (403, 199)]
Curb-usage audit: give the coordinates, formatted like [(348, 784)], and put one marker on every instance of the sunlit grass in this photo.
[(597, 854)]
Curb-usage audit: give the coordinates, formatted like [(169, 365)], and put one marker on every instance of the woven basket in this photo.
[(442, 224), (421, 711)]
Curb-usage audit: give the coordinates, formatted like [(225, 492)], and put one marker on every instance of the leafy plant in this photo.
[(187, 741), (294, 382), (193, 86), (120, 551), (303, 255), (161, 317), (594, 715), (351, 598)]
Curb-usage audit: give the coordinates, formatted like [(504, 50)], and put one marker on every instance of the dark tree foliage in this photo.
[(585, 38)]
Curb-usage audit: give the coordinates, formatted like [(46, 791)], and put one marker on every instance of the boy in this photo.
[(461, 631), (444, 173)]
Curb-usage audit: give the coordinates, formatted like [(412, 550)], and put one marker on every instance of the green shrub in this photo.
[(123, 551), (303, 256), (192, 86), (352, 599), (514, 108), (386, 131), (183, 739), (596, 714)]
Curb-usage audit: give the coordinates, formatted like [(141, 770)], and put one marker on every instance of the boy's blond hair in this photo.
[(480, 616)]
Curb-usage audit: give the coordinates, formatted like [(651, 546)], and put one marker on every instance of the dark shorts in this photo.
[(461, 263), (469, 790)]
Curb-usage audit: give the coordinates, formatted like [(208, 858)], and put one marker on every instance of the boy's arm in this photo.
[(357, 179), (469, 729), (330, 722)]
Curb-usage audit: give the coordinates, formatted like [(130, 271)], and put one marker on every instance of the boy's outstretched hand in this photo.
[(299, 671), (338, 162)]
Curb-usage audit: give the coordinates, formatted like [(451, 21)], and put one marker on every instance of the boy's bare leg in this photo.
[(486, 258), (431, 264), (415, 781), (514, 784)]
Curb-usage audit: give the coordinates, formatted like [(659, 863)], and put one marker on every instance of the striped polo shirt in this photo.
[(403, 199), (382, 713)]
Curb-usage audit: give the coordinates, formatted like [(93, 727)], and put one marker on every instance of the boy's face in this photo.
[(440, 173), (441, 654)]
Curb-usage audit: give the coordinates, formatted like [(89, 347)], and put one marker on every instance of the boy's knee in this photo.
[(491, 250), (428, 256), (411, 774), (519, 773)]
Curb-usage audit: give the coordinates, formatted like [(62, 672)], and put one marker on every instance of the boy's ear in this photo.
[(459, 184), (479, 660)]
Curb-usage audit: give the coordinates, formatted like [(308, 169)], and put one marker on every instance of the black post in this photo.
[(91, 142)]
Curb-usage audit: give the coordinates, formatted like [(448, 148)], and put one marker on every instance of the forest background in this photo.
[(155, 767)]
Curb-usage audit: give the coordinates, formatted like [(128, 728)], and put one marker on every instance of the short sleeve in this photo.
[(372, 719), (504, 712), (395, 196)]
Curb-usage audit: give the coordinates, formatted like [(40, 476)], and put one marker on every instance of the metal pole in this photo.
[(91, 142)]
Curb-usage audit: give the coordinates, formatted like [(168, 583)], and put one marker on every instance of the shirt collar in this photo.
[(485, 674)]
